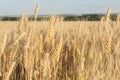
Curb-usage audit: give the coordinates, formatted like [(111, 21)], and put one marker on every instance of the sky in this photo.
[(18, 7)]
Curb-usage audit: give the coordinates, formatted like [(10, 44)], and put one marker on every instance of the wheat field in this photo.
[(60, 50)]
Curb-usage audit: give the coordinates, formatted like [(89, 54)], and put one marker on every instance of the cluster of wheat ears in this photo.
[(58, 53)]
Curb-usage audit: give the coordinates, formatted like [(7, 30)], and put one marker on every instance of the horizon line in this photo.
[(13, 15)]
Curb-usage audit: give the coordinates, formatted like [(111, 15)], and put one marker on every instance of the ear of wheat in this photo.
[(20, 29), (107, 26), (36, 11), (50, 32), (108, 14), (26, 23), (106, 44)]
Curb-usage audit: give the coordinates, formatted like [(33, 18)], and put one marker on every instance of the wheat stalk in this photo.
[(3, 45), (117, 21), (83, 51), (46, 67), (41, 44), (8, 74), (74, 49)]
